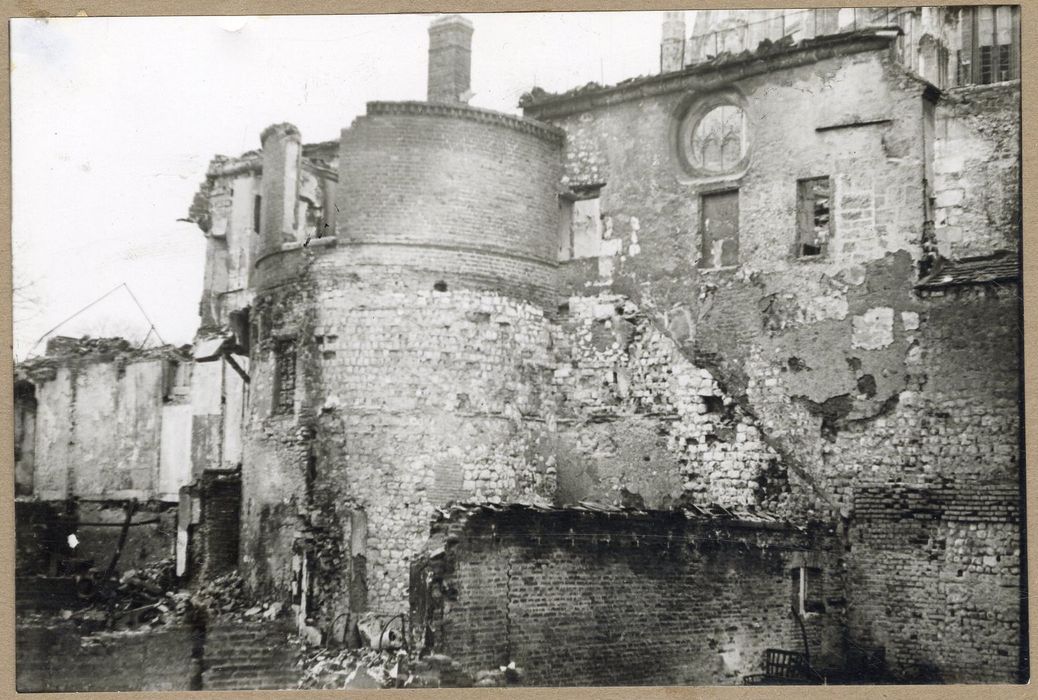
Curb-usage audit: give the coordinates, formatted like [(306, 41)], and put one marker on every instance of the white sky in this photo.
[(114, 121)]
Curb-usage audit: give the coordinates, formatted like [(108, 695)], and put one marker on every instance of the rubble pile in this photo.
[(138, 597), (337, 669), (225, 597), (222, 595)]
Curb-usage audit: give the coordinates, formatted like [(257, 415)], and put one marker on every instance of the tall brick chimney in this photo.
[(672, 46), (280, 185), (450, 59)]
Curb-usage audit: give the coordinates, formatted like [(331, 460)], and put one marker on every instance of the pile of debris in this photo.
[(225, 597), (330, 669), (138, 597)]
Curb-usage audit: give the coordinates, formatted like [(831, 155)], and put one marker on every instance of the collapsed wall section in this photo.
[(857, 376), (638, 422)]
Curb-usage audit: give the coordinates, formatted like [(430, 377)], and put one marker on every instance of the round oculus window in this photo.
[(717, 143)]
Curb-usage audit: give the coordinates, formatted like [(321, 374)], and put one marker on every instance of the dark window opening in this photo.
[(242, 329), (714, 404), (814, 219), (257, 206), (985, 65), (284, 376), (807, 589)]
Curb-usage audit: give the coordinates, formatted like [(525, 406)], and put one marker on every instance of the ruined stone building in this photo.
[(626, 389)]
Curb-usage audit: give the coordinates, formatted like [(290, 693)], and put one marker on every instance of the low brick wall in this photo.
[(236, 655), (58, 659), (250, 656), (593, 598)]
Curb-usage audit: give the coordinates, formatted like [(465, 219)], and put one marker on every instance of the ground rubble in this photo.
[(324, 668)]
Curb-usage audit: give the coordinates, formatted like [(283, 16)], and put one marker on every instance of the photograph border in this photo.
[(96, 8)]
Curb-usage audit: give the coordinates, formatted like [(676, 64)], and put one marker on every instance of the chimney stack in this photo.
[(450, 59), (672, 47)]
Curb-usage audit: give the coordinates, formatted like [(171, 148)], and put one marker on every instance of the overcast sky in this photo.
[(115, 120)]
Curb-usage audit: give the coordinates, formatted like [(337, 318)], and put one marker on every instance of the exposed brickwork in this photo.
[(853, 377), (238, 655), (424, 179), (433, 362), (450, 59), (636, 415), (586, 598), (57, 659), (250, 656)]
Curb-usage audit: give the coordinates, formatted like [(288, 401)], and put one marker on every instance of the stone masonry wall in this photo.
[(969, 539), (638, 420), (588, 598), (405, 399), (852, 377), (977, 170), (419, 353)]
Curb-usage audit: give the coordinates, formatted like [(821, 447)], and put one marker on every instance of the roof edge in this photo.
[(540, 105)]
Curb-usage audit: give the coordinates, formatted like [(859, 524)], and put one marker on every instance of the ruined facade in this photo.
[(99, 424), (764, 304)]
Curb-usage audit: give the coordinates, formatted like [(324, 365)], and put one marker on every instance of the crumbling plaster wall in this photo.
[(225, 209), (810, 347), (98, 426), (854, 378)]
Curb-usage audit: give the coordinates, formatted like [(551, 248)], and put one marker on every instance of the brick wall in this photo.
[(242, 655), (228, 654), (589, 598), (419, 180), (57, 659)]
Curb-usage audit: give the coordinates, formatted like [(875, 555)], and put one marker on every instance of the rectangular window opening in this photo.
[(990, 44), (719, 227), (814, 216), (807, 589), (565, 229), (257, 206), (284, 376)]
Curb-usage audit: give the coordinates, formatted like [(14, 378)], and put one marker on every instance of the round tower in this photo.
[(404, 363)]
